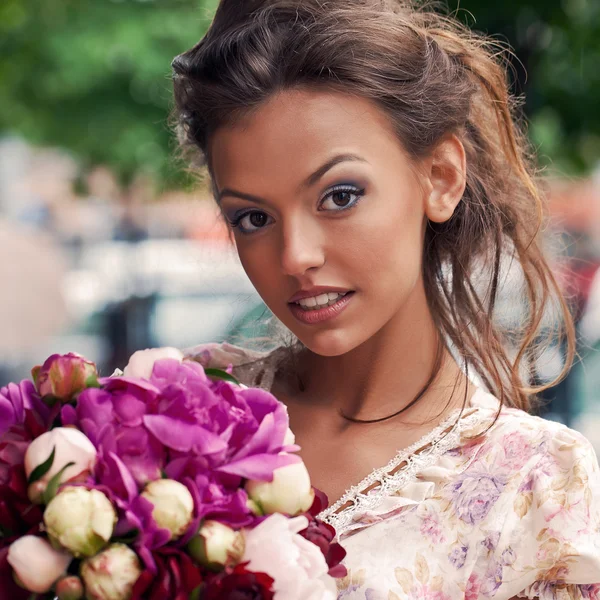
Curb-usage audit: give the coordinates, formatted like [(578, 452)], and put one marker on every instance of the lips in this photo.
[(316, 291), (313, 316)]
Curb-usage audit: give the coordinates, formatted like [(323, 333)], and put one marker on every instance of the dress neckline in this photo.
[(383, 481), (405, 465)]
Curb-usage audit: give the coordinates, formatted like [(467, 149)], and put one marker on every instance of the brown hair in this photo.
[(432, 77)]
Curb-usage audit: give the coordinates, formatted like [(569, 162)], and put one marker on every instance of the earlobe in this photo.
[(447, 175)]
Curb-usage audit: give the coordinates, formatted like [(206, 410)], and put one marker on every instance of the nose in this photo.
[(302, 248)]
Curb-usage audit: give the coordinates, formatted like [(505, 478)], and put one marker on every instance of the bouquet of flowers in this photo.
[(165, 481)]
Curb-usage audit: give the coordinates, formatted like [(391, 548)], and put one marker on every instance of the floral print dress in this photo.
[(476, 509)]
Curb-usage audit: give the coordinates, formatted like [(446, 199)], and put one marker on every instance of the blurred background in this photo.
[(108, 245)]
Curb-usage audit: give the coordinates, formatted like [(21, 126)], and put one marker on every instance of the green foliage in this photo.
[(42, 469), (557, 43), (93, 76), (53, 485)]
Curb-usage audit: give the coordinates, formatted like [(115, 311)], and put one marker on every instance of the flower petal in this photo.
[(183, 437), (7, 415), (260, 466)]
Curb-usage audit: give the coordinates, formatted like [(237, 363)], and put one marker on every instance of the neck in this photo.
[(385, 373)]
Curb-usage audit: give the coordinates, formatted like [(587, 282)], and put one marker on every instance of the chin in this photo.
[(328, 342)]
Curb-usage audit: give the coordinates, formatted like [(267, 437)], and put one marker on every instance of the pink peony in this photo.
[(69, 446), (63, 376), (36, 563), (296, 565)]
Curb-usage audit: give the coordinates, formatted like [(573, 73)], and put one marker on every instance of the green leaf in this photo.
[(50, 400), (195, 595), (219, 374), (5, 532), (53, 484), (92, 381), (42, 469), (35, 374)]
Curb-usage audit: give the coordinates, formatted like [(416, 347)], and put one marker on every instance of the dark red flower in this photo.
[(320, 503), (321, 534), (8, 587), (177, 577), (238, 584), (18, 516)]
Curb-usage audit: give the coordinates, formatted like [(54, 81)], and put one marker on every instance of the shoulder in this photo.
[(251, 367), (546, 445), (525, 441), (538, 484), (544, 474)]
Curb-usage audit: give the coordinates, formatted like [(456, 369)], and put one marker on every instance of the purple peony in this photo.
[(23, 417), (239, 432), (474, 495), (208, 435), (112, 418), (15, 400)]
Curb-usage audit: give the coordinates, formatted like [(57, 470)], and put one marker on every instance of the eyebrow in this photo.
[(308, 182), (336, 160)]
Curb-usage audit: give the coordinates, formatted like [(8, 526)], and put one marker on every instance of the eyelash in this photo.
[(351, 189)]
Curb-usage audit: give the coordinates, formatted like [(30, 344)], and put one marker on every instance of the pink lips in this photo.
[(319, 315)]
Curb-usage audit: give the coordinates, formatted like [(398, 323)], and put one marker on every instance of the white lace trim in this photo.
[(432, 446)]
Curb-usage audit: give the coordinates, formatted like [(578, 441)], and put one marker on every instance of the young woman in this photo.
[(365, 156)]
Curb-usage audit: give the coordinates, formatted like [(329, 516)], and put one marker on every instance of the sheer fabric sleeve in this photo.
[(251, 367), (555, 523)]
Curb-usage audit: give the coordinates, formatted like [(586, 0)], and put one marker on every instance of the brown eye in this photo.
[(252, 221), (258, 219), (341, 198)]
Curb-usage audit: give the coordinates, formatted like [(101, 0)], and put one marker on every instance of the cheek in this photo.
[(259, 261), (387, 246)]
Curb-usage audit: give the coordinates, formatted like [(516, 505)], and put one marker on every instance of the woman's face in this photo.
[(323, 201)]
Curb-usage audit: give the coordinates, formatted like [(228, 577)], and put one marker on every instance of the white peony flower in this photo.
[(142, 362), (296, 565), (290, 492)]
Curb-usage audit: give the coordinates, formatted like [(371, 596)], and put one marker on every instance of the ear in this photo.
[(446, 171)]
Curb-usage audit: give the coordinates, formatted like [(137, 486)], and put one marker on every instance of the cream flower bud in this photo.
[(36, 564), (217, 545), (69, 588), (173, 505), (290, 492), (80, 520), (70, 446), (142, 362), (111, 574)]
